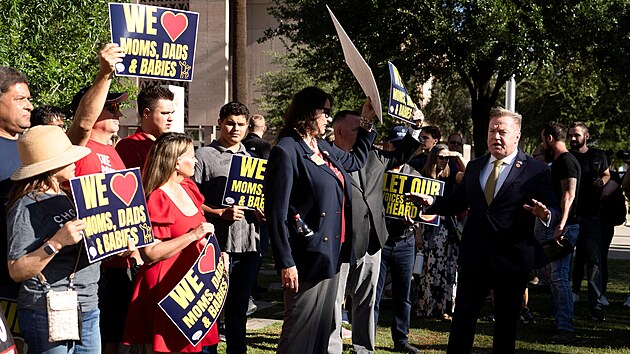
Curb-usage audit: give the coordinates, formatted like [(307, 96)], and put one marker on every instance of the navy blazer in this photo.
[(295, 183), (500, 237)]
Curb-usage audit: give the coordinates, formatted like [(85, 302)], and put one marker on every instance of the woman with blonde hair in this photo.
[(45, 251), (440, 244), (179, 227)]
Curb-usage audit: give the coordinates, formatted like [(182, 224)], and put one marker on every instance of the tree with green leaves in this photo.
[(480, 42), (55, 43)]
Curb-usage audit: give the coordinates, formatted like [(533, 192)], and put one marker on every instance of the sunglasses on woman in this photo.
[(325, 111), (443, 157)]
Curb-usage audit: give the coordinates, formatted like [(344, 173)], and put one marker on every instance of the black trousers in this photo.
[(473, 286)]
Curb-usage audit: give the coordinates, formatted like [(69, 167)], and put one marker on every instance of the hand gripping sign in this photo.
[(113, 207), (195, 303), (395, 185), (244, 186), (159, 43)]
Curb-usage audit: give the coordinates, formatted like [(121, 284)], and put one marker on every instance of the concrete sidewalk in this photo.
[(620, 245)]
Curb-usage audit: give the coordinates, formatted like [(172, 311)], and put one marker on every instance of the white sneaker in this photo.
[(576, 297), (603, 300), (627, 303)]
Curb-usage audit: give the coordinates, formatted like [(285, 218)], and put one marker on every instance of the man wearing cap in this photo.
[(397, 260), (254, 142), (96, 119), (362, 262), (155, 109), (15, 115)]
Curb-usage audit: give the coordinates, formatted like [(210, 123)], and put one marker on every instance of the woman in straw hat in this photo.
[(179, 226), (44, 240)]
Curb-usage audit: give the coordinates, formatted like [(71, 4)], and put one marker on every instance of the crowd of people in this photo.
[(324, 218)]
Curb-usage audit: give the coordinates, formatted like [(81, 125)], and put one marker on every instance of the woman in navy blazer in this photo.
[(306, 176)]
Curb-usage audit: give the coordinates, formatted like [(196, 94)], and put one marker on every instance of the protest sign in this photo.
[(395, 185), (113, 207), (6, 339), (159, 42), (195, 303), (244, 186), (9, 326), (359, 67), (400, 104)]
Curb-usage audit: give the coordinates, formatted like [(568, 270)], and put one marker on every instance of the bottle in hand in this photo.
[(302, 228)]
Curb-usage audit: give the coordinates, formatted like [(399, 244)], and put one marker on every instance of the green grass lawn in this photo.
[(431, 336)]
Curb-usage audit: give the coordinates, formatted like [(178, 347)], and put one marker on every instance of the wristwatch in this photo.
[(50, 249)]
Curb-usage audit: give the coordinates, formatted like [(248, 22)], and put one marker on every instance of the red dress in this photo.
[(146, 322)]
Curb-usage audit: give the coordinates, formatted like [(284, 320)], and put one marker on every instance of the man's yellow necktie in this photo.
[(491, 183)]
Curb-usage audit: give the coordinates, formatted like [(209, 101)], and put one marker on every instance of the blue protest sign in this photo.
[(159, 42), (114, 208), (195, 303), (244, 186), (400, 104), (395, 185)]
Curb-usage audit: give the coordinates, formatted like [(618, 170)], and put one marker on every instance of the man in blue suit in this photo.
[(504, 191)]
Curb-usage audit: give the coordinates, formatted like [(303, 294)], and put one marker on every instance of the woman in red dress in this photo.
[(179, 228)]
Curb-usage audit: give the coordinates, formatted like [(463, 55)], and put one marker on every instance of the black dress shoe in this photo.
[(406, 348)]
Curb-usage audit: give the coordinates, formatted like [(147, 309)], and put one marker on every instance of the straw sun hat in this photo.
[(44, 148)]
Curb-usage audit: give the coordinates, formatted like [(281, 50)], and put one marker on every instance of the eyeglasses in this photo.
[(112, 107), (443, 157), (456, 143), (325, 111)]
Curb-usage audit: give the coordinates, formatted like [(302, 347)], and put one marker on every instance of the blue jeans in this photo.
[(558, 271), (587, 252), (397, 257), (34, 327)]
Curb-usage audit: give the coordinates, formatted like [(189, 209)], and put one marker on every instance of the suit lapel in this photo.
[(518, 166)]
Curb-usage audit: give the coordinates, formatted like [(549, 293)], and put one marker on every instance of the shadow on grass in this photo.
[(431, 335)]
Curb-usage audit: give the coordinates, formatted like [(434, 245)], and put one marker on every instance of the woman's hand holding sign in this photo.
[(70, 234), (201, 231)]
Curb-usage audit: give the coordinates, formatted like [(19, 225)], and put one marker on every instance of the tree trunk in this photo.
[(238, 27), (483, 99), (481, 117)]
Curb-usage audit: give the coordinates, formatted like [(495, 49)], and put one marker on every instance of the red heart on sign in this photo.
[(124, 187), (207, 262), (174, 25)]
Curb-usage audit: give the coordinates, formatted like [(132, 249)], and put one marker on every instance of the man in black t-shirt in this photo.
[(594, 176), (565, 179)]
